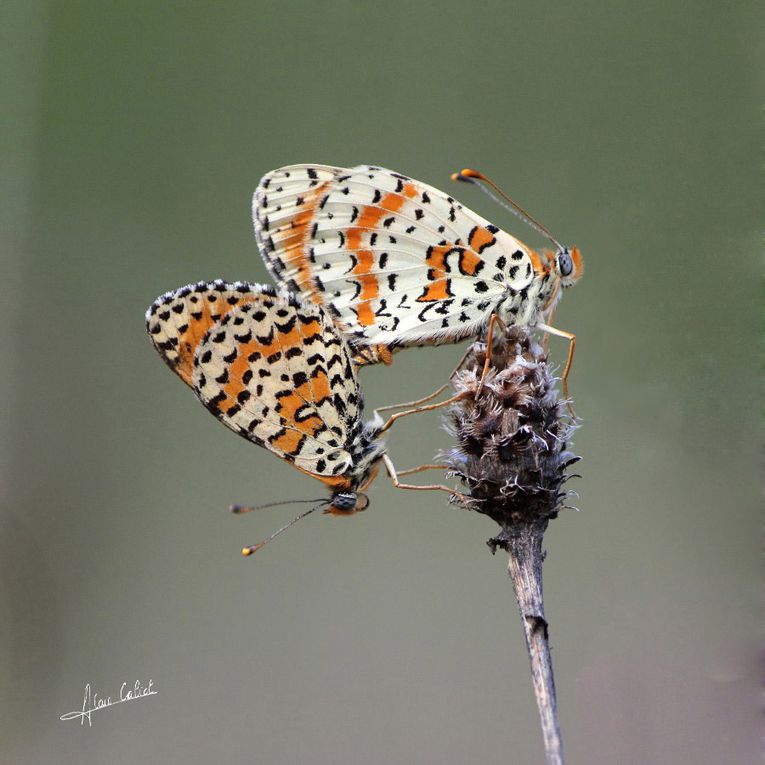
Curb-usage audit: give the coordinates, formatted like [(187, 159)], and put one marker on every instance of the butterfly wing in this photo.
[(274, 370), (278, 373), (397, 262), (178, 320)]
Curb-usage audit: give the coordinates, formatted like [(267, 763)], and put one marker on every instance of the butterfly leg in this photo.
[(389, 422), (489, 337), (489, 340), (428, 487), (571, 346), (432, 395), (546, 338), (416, 402), (420, 468), (549, 316)]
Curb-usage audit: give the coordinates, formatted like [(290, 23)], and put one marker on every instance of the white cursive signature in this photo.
[(92, 702)]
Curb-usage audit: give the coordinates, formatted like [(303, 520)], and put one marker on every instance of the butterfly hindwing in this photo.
[(178, 320), (397, 262), (277, 372)]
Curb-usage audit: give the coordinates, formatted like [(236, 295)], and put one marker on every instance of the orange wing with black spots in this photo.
[(396, 261), (274, 370), (178, 320)]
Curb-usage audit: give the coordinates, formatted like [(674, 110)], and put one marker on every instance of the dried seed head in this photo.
[(512, 434)]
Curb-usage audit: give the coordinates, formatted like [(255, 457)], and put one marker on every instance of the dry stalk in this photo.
[(512, 454)]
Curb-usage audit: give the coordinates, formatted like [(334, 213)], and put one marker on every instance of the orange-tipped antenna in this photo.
[(475, 177), (254, 548), (241, 509)]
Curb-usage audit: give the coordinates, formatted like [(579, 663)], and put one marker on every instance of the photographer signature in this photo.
[(92, 702)]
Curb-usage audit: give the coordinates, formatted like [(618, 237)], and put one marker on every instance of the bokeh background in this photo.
[(134, 134)]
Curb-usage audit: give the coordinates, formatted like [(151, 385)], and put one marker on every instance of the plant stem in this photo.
[(512, 436), (523, 542)]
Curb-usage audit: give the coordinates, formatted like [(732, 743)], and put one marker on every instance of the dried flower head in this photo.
[(512, 434)]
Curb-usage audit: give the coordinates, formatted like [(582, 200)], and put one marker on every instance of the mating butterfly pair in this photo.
[(369, 261)]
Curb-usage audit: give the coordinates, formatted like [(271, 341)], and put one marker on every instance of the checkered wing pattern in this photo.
[(178, 320), (274, 370), (397, 262)]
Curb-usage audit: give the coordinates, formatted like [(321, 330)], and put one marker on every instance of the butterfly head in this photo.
[(568, 266), (347, 503)]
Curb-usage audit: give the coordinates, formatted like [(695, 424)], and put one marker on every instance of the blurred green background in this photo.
[(134, 135)]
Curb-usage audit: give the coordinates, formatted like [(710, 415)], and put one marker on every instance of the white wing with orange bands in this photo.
[(397, 261)]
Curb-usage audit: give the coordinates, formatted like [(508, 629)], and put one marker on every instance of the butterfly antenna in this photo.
[(241, 509), (254, 548), (479, 179)]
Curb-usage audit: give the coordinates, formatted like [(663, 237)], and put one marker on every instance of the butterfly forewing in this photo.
[(278, 373), (178, 320), (397, 261)]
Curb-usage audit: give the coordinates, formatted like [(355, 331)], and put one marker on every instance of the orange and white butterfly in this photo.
[(278, 372), (400, 263)]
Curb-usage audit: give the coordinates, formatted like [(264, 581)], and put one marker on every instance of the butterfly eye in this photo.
[(565, 264), (344, 501)]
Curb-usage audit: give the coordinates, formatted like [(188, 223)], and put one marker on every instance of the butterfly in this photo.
[(399, 263), (276, 371)]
